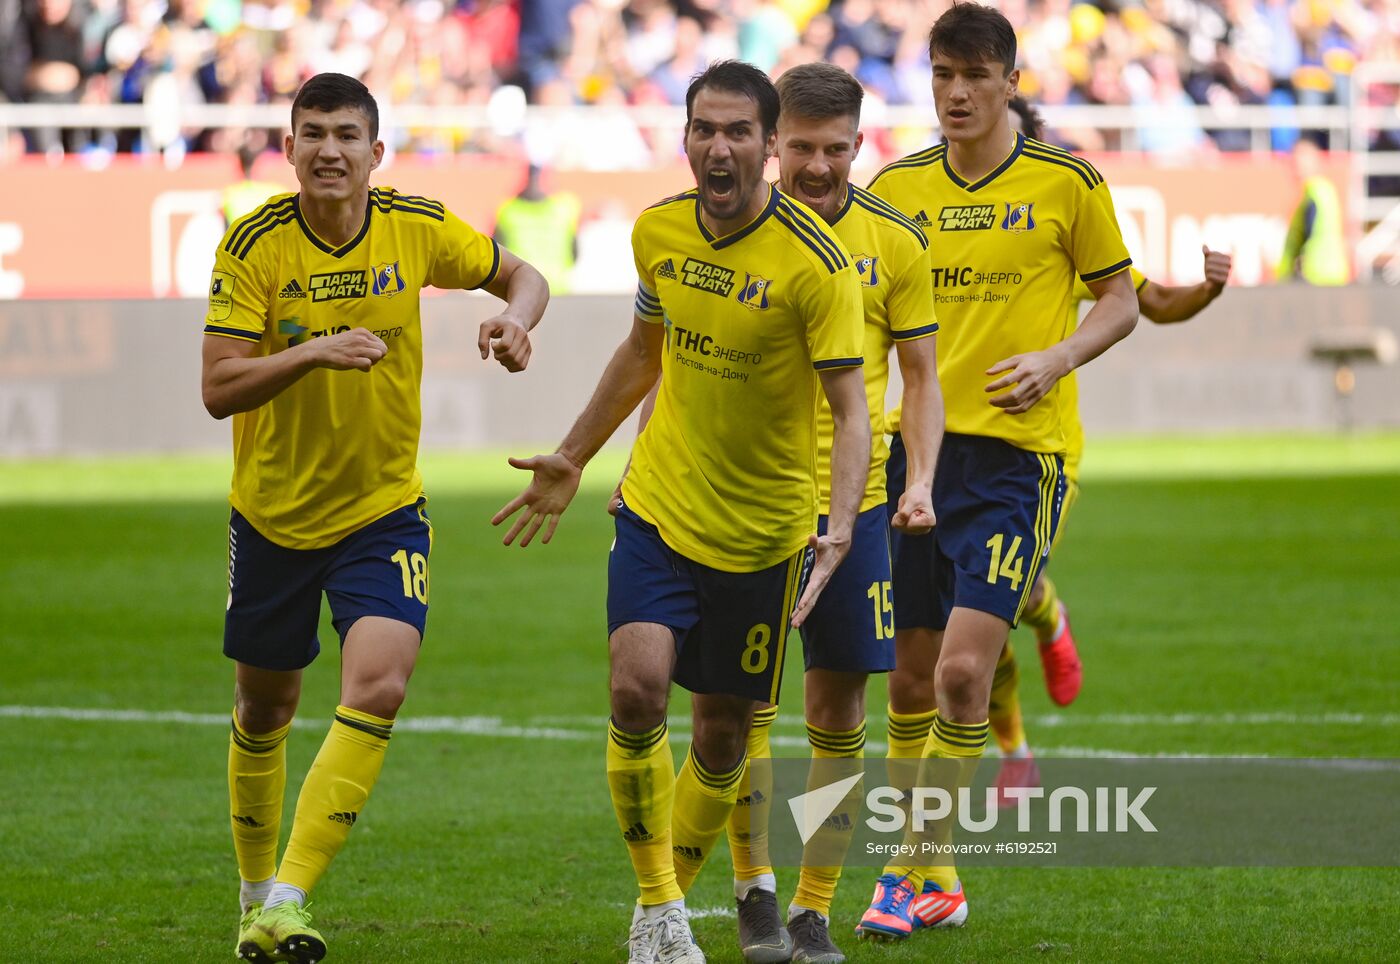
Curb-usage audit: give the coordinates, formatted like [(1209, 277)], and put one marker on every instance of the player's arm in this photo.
[(850, 465), (633, 370), (921, 428), (1030, 376), (1166, 305), (236, 378), (521, 286), (643, 416)]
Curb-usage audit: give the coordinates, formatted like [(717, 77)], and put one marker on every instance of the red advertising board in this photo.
[(137, 229)]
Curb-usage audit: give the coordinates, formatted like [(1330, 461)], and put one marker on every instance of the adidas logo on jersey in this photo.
[(346, 817), (292, 290), (667, 270), (637, 833), (921, 219), (688, 853)]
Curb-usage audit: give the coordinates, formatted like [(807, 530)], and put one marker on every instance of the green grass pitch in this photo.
[(1230, 596)]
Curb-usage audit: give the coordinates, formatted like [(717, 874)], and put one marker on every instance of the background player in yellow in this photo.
[(313, 345), (742, 295), (1011, 222), (1046, 614), (850, 632)]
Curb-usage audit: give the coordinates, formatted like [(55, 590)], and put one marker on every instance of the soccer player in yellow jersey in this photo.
[(1011, 222), (850, 632), (751, 307), (1046, 614), (313, 344)]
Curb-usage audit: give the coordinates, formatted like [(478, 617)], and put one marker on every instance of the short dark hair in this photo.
[(737, 77), (972, 32), (819, 91), (1032, 124), (328, 92)]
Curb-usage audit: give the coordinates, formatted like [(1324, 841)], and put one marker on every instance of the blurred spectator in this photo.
[(1315, 249), (1163, 57), (541, 228)]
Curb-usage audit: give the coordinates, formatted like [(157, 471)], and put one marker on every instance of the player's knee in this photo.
[(912, 690), (720, 741), (264, 712), (636, 706), (960, 680), (380, 697)]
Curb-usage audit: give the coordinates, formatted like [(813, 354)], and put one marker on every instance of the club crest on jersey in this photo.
[(754, 294), (866, 267), (1018, 216), (387, 279)]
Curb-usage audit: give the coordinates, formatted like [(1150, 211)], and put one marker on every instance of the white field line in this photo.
[(494, 726), (1095, 719)]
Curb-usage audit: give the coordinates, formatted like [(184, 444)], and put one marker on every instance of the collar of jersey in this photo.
[(989, 178), (743, 232), (345, 248)]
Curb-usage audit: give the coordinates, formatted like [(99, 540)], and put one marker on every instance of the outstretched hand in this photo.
[(544, 499), (508, 340), (1033, 374), (829, 553)]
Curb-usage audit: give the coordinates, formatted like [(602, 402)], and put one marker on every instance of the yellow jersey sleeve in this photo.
[(239, 288), (465, 258), (1095, 241)]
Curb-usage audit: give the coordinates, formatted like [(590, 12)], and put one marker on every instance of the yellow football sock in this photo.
[(1005, 709), (704, 801), (907, 735), (748, 821), (1045, 618), (642, 782), (257, 779), (964, 742), (836, 755), (336, 790)]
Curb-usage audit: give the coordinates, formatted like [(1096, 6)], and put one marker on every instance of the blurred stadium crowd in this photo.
[(1154, 55)]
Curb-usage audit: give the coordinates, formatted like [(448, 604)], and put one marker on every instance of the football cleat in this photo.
[(762, 937), (640, 946), (1016, 771), (255, 945), (673, 941), (1059, 659), (891, 913), (287, 930), (811, 941), (934, 908)]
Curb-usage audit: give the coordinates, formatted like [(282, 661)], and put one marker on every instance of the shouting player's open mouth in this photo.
[(721, 185), (815, 192)]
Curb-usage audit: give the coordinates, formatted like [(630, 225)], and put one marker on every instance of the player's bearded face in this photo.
[(727, 149), (814, 161), (971, 96), (333, 153)]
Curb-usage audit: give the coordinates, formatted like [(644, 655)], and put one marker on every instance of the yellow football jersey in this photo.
[(726, 467), (1004, 253), (336, 450), (891, 259), (1069, 385)]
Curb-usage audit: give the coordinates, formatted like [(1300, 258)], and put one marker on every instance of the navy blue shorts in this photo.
[(997, 508), (274, 601), (730, 627), (851, 628)]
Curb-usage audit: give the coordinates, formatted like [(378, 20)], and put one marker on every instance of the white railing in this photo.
[(1343, 123)]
